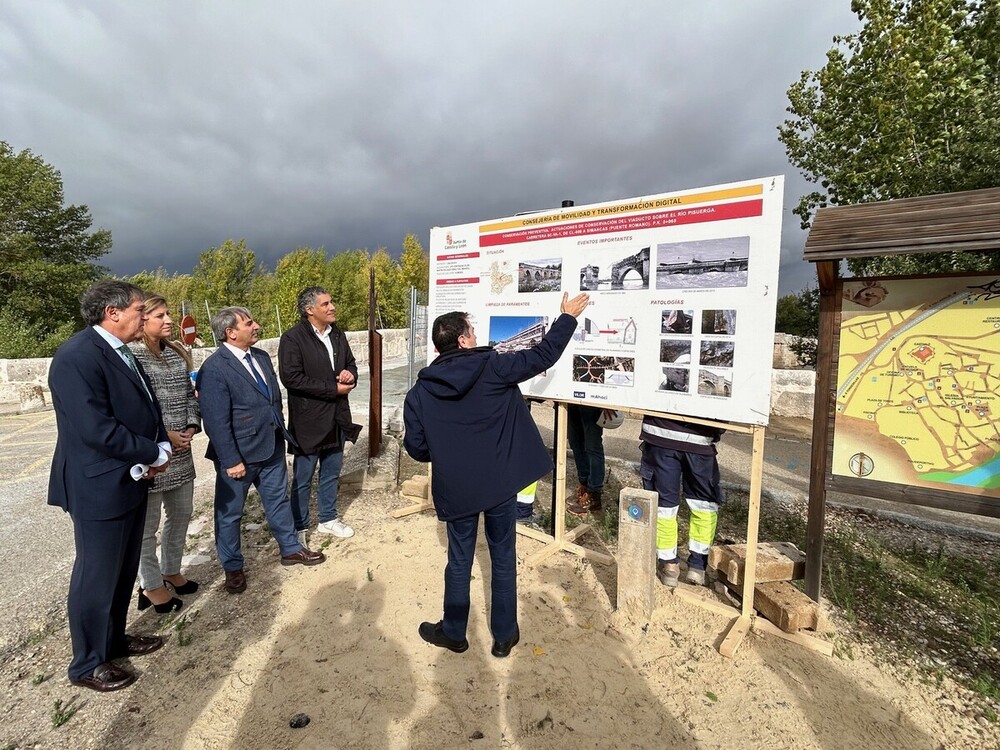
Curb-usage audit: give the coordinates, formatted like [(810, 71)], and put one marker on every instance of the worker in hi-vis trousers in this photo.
[(675, 452), (526, 505)]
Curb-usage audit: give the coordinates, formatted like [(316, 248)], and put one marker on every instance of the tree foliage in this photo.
[(224, 276), (798, 314), (46, 253), (908, 106)]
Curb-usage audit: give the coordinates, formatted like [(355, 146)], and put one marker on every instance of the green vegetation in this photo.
[(61, 713), (798, 314), (908, 106), (937, 600), (48, 254)]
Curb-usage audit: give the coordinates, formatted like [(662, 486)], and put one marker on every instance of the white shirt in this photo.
[(241, 356), (324, 338), (114, 342)]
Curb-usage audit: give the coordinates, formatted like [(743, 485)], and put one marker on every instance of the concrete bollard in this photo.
[(637, 550)]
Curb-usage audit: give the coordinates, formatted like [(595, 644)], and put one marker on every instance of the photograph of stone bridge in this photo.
[(703, 264), (630, 272), (544, 275)]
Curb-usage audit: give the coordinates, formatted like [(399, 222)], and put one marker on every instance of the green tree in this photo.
[(46, 253), (348, 286), (415, 264), (908, 106), (224, 276), (798, 314), (392, 293), (278, 293)]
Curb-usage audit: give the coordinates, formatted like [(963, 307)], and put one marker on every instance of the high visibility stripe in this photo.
[(667, 513), (527, 495), (706, 506), (702, 530), (666, 535), (675, 435)]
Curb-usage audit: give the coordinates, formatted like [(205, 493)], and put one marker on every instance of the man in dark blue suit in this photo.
[(111, 440), (465, 414), (241, 412)]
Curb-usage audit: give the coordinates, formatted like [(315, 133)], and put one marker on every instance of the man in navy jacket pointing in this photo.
[(466, 416)]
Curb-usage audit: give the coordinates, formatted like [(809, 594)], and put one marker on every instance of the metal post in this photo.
[(208, 314)]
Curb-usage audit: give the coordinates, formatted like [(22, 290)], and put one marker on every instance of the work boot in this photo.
[(695, 576), (668, 573), (590, 502)]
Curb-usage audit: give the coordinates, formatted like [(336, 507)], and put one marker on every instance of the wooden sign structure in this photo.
[(954, 222)]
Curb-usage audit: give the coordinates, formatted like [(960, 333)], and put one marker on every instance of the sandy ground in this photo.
[(339, 643)]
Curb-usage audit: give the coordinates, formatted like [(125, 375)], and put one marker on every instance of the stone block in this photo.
[(776, 561), (416, 487), (785, 606)]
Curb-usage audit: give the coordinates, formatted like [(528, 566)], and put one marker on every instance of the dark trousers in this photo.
[(100, 588), (586, 440), (500, 536), (270, 477)]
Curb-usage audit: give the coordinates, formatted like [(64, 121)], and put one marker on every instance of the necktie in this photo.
[(275, 415), (130, 360), (256, 375)]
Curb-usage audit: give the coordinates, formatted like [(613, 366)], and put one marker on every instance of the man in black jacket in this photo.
[(465, 415), (317, 367)]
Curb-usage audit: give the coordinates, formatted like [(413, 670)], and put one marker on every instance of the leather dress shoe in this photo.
[(433, 633), (303, 557), (236, 581), (106, 677), (139, 645), (502, 649)]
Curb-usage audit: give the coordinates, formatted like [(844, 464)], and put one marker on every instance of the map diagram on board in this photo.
[(918, 384), (500, 278)]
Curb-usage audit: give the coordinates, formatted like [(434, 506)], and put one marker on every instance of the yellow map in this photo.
[(499, 278), (918, 384)]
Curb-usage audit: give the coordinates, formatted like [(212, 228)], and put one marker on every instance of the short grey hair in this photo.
[(307, 298), (104, 294), (228, 317)]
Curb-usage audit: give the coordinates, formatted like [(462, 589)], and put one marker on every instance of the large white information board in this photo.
[(682, 285)]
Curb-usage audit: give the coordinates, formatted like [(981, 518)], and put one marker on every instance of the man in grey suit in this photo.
[(241, 412), (110, 441)]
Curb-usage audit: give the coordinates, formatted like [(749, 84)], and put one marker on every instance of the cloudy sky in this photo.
[(347, 125)]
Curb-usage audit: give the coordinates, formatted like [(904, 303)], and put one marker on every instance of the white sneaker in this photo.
[(336, 528), (302, 537)]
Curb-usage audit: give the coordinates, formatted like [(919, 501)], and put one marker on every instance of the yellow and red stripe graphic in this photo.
[(650, 220)]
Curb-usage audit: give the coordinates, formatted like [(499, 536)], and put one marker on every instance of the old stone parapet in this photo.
[(24, 382), (792, 393)]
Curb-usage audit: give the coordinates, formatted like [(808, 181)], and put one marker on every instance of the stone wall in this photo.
[(24, 382), (784, 358)]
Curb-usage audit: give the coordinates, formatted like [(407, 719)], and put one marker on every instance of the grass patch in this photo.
[(63, 712)]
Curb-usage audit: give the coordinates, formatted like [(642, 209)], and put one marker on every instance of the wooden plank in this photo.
[(802, 639), (823, 407), (559, 511), (590, 554), (698, 597), (410, 509), (576, 532), (543, 554), (737, 632), (924, 496), (753, 518), (537, 534), (786, 606)]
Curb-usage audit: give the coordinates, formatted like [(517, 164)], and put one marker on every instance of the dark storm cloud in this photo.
[(348, 125)]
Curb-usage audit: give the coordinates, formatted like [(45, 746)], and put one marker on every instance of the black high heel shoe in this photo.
[(144, 602), (188, 587)]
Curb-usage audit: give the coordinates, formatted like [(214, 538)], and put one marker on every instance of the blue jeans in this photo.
[(303, 467), (500, 536), (586, 440), (270, 477)]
